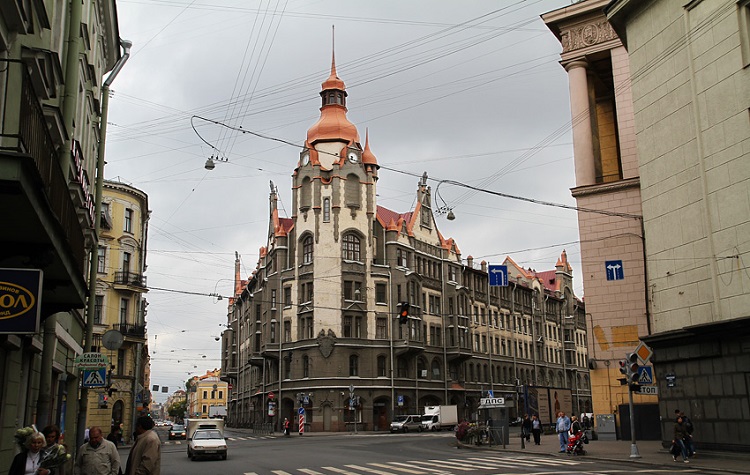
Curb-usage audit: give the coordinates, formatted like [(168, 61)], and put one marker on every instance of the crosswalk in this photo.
[(259, 437), (448, 466)]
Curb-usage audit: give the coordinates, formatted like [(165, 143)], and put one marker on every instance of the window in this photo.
[(98, 309), (326, 210), (381, 328), (380, 293), (306, 329), (121, 359), (382, 369), (306, 292), (307, 249), (288, 367), (123, 311), (350, 247), (205, 396), (452, 274), (351, 190), (401, 258), (305, 366), (435, 369), (273, 299), (352, 290), (354, 365), (126, 256), (128, 227), (101, 255), (287, 296), (287, 331), (204, 408), (273, 331), (346, 329), (221, 394), (358, 327)]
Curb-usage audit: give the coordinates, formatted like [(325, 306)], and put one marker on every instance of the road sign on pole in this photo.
[(498, 276), (614, 270)]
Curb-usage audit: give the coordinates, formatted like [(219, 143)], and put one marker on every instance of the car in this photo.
[(207, 443), (177, 432), (407, 423)]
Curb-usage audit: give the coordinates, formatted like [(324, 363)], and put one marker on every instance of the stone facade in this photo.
[(690, 81), (316, 324)]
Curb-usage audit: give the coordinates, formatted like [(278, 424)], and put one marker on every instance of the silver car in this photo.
[(407, 423)]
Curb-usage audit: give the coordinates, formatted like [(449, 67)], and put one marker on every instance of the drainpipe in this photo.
[(94, 255)]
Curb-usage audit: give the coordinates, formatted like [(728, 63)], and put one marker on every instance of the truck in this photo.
[(205, 438), (439, 417)]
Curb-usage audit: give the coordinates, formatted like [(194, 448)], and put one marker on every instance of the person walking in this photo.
[(562, 426), (145, 456), (28, 461), (98, 456), (689, 429), (680, 434), (526, 427), (52, 436), (536, 429)]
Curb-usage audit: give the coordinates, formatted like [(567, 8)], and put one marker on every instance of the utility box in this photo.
[(606, 428)]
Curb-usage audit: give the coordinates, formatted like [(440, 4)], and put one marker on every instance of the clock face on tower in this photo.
[(353, 156), (305, 158)]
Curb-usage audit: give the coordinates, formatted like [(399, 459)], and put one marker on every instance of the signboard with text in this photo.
[(20, 295)]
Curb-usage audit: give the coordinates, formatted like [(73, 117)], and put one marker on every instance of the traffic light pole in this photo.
[(633, 447)]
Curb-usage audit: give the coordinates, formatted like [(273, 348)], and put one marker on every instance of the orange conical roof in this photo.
[(368, 158), (333, 124)]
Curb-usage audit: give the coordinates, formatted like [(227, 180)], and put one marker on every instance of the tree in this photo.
[(178, 409)]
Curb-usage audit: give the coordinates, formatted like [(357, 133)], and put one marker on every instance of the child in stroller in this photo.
[(576, 439)]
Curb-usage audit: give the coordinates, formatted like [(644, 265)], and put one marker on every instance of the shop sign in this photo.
[(20, 292)]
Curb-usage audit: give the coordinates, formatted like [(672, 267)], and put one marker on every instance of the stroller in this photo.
[(575, 443)]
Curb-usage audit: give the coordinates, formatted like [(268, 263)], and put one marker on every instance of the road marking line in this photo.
[(339, 470), (422, 468), (309, 472), (467, 463), (280, 472), (382, 465), (370, 470), (249, 473), (441, 465)]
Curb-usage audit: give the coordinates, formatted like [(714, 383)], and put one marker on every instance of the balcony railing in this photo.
[(32, 138), (131, 330), (130, 278)]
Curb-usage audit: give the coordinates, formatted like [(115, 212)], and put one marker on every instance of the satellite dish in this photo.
[(112, 340)]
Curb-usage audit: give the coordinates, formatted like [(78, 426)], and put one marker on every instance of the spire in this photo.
[(368, 158)]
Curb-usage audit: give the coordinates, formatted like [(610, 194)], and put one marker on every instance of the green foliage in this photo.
[(178, 409)]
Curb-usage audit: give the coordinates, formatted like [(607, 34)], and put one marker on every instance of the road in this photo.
[(380, 454)]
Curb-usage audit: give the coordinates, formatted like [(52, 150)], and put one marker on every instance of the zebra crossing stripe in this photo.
[(405, 470), (369, 470), (468, 463), (339, 470), (310, 472), (441, 465), (280, 472), (249, 473), (423, 468)]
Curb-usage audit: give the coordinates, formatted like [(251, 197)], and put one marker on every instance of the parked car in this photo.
[(407, 423), (177, 432)]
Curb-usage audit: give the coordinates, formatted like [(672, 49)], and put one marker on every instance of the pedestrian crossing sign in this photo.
[(645, 375), (95, 378)]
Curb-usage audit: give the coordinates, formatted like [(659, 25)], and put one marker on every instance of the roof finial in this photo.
[(333, 51)]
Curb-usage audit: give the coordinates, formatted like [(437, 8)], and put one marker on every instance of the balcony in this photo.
[(130, 330), (35, 196), (130, 281), (458, 354)]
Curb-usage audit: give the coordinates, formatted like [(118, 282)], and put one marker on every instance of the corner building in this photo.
[(315, 325)]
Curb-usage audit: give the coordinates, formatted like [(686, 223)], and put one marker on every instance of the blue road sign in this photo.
[(490, 393), (498, 276), (614, 270), (301, 411), (645, 375), (94, 378)]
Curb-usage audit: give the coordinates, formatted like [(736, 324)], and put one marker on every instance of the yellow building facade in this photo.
[(207, 395), (120, 311)]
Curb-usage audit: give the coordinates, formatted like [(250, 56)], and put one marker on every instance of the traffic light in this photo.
[(403, 313), (629, 367), (103, 400)]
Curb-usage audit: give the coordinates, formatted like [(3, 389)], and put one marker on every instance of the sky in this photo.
[(469, 91)]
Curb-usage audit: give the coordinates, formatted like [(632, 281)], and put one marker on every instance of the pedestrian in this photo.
[(52, 436), (114, 436), (689, 429), (526, 427), (98, 456), (28, 461), (680, 434), (562, 426), (536, 429), (145, 456), (287, 424), (575, 425)]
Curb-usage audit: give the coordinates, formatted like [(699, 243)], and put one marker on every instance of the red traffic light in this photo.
[(403, 312), (623, 367)]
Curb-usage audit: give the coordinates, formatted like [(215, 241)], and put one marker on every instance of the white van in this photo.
[(407, 423)]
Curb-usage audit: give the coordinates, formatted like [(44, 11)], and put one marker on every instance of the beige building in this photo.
[(316, 324), (690, 82), (120, 310), (608, 191), (207, 395), (54, 56)]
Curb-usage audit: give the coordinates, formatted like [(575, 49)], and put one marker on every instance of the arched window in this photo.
[(307, 249), (350, 247), (354, 365), (326, 210), (421, 368), (435, 369)]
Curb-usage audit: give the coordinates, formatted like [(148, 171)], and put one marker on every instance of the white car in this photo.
[(207, 443)]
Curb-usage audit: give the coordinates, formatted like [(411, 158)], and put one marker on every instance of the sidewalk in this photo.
[(651, 453)]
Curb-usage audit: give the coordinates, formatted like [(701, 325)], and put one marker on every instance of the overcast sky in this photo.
[(469, 91)]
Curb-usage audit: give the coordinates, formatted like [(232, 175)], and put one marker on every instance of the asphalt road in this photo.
[(377, 454)]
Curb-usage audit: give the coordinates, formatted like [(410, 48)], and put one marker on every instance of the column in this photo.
[(583, 147)]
